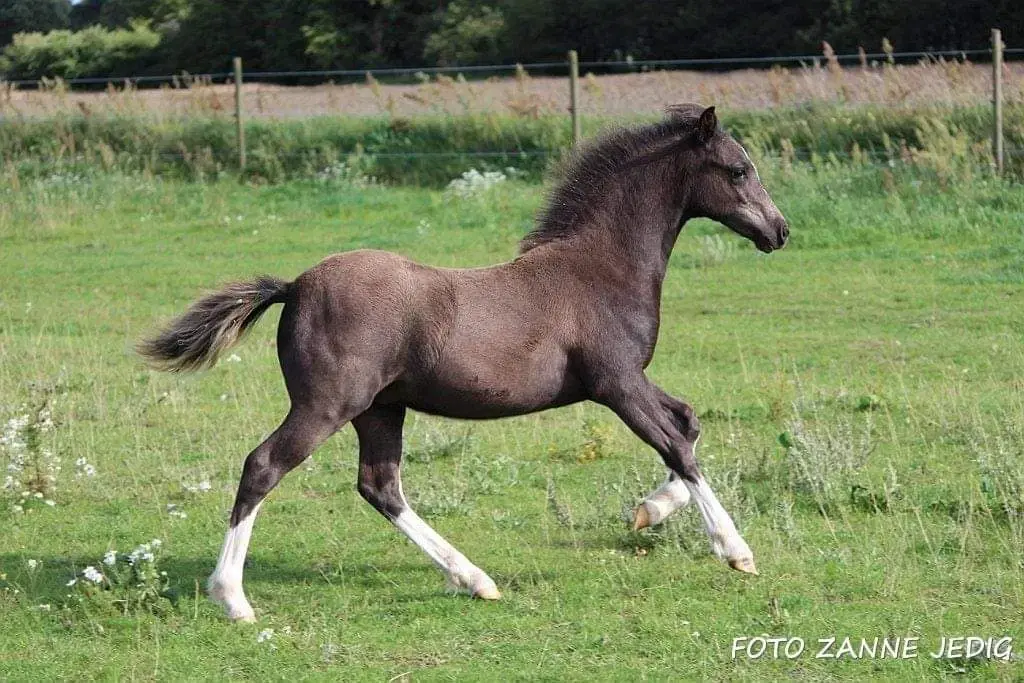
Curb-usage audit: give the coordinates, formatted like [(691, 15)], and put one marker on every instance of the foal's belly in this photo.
[(475, 405), (489, 387)]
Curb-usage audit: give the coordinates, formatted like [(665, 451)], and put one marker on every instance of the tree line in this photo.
[(128, 37)]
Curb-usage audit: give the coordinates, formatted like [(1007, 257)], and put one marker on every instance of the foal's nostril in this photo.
[(784, 232)]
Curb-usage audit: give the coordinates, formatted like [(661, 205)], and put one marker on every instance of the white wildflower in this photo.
[(174, 511), (44, 607), (92, 574), (473, 183), (84, 469), (265, 635), (72, 582), (144, 553), (344, 175), (44, 420), (110, 558), (13, 438), (234, 358), (32, 564), (202, 487)]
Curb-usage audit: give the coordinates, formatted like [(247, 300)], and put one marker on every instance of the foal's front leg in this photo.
[(380, 483), (671, 428)]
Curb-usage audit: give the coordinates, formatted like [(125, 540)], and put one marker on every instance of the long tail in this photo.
[(212, 324)]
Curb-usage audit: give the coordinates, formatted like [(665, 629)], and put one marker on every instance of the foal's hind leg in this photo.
[(671, 428), (300, 433), (380, 483), (662, 502)]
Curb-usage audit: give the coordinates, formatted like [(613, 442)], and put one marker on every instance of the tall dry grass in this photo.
[(933, 82)]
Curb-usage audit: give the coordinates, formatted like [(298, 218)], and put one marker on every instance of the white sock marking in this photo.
[(725, 540), (461, 573), (668, 498), (225, 584)]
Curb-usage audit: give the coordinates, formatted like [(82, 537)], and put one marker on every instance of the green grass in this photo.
[(890, 332)]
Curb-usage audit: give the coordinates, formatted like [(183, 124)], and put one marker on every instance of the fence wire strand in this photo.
[(634, 64)]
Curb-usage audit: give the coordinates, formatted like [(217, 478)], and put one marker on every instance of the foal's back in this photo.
[(471, 343)]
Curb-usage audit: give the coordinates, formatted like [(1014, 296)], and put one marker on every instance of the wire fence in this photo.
[(998, 53), (324, 75)]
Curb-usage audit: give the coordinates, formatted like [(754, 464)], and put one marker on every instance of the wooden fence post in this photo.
[(574, 94), (997, 98), (239, 128)]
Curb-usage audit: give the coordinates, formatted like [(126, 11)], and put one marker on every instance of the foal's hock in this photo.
[(367, 335)]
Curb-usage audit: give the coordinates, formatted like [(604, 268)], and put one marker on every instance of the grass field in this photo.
[(862, 396)]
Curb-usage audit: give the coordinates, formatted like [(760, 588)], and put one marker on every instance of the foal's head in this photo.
[(725, 185)]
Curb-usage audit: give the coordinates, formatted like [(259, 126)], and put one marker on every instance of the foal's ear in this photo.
[(707, 124)]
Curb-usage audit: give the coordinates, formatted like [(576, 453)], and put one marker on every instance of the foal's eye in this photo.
[(737, 174)]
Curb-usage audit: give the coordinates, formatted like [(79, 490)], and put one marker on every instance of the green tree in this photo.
[(120, 13), (18, 16), (467, 35)]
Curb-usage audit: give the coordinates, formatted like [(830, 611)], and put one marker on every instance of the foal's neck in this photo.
[(638, 225)]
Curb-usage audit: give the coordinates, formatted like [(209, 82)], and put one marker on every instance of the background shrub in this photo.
[(72, 54)]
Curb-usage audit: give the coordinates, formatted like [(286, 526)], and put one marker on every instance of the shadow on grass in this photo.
[(47, 581)]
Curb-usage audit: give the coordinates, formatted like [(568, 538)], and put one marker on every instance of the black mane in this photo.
[(591, 168)]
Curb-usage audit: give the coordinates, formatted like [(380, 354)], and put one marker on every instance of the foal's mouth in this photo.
[(765, 242), (768, 243), (767, 236)]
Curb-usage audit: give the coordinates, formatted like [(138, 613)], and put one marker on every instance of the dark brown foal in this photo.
[(367, 335)]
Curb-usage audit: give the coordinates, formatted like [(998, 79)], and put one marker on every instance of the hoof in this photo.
[(745, 565), (235, 606), (641, 518), (243, 618), (487, 593)]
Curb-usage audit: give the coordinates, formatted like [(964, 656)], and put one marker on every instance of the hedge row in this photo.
[(432, 151)]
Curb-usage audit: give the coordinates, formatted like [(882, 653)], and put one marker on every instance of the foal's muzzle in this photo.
[(773, 238)]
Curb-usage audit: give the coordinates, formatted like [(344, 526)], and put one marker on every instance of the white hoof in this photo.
[(745, 565), (736, 553), (477, 585), (233, 600), (486, 590), (641, 517)]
